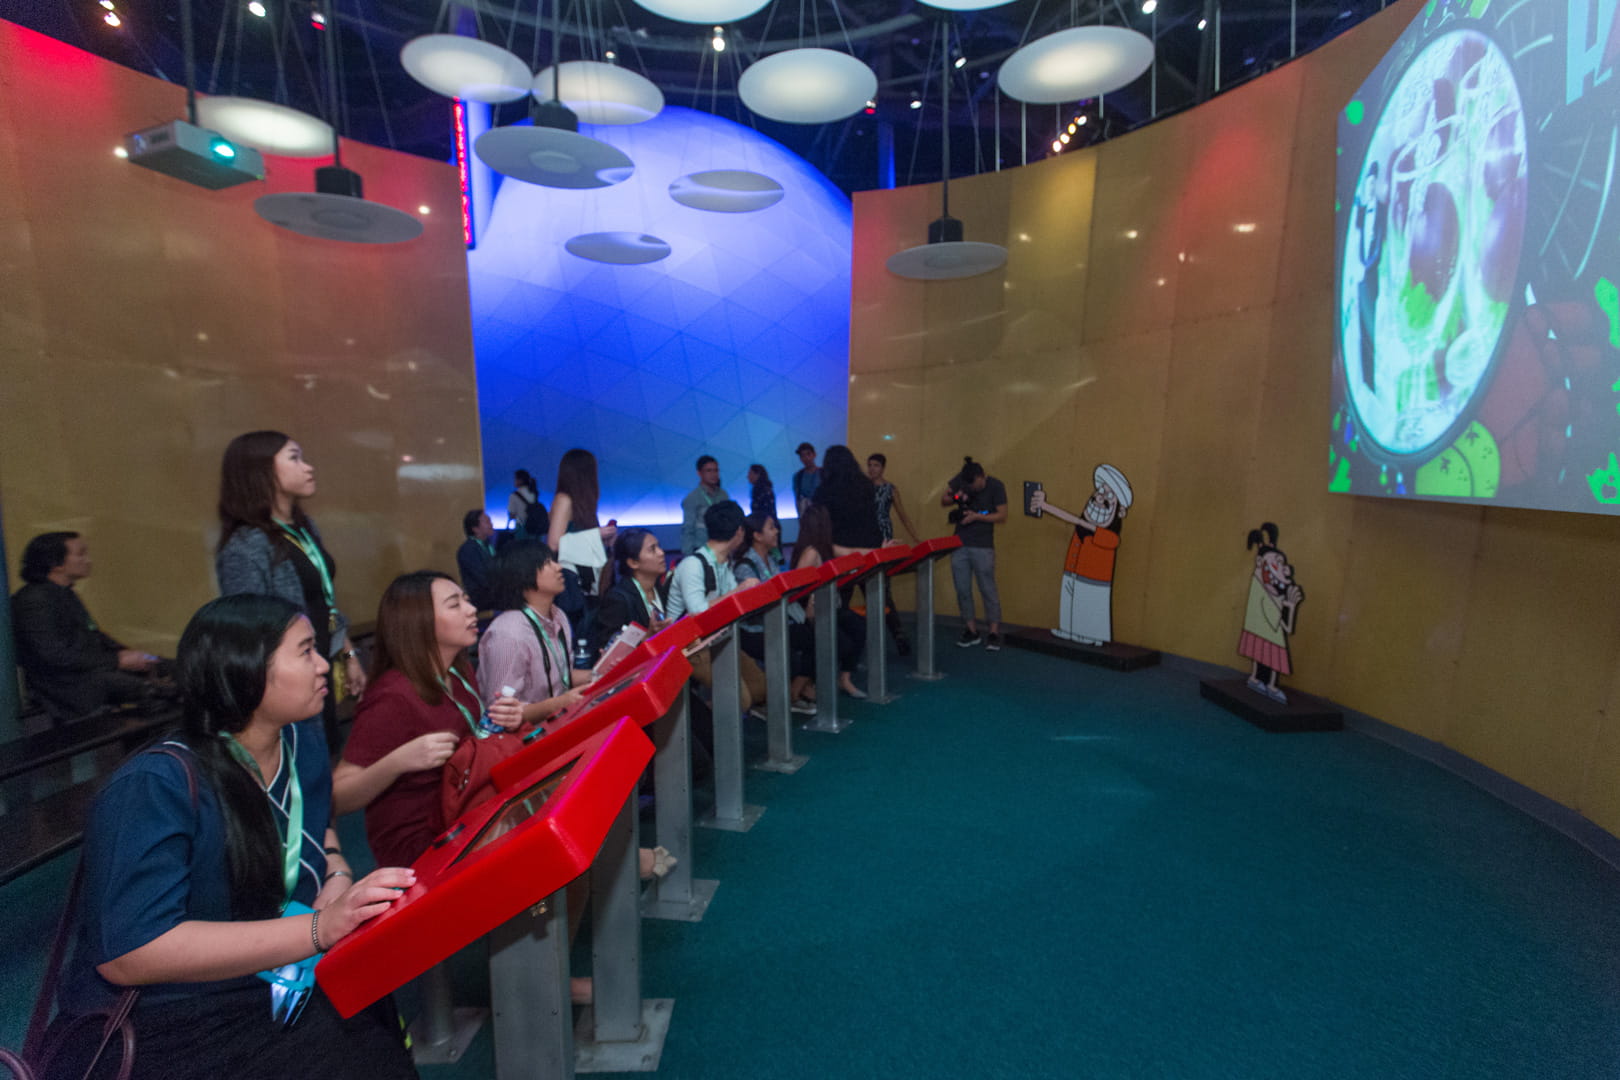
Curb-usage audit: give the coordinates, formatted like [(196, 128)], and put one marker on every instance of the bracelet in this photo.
[(315, 930), (338, 873), (334, 851)]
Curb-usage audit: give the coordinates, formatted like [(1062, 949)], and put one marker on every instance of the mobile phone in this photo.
[(1030, 488)]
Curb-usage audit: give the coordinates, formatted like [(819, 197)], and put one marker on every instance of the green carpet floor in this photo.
[(1040, 869)]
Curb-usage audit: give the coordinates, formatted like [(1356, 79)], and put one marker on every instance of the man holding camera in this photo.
[(980, 504)]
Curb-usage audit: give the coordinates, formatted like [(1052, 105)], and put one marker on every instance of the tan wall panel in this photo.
[(148, 322), (1491, 631)]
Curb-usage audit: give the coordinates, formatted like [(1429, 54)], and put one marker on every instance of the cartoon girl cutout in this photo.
[(1273, 604), (1085, 603)]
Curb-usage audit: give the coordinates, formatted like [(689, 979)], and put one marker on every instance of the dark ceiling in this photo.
[(278, 57)]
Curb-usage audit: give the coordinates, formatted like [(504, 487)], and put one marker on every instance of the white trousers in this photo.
[(1085, 609)]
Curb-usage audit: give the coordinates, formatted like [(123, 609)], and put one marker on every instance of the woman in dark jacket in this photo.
[(269, 546), (851, 502), (636, 595)]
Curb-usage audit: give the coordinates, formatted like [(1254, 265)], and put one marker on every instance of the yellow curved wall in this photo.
[(1167, 307), (146, 322)]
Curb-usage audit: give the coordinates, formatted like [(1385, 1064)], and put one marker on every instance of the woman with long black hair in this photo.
[(211, 859), (268, 545)]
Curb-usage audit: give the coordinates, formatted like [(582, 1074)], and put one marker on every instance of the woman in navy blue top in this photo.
[(213, 878)]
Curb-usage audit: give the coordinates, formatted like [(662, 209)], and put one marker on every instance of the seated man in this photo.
[(702, 578), (476, 559), (73, 668)]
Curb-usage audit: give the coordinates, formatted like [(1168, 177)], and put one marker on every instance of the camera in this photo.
[(961, 499)]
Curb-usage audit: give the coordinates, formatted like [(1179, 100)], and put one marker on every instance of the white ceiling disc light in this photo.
[(553, 158), (336, 210), (952, 259), (618, 248), (465, 67), (1073, 64), (807, 86), (965, 5), (601, 93), (270, 128), (703, 11), (726, 191)]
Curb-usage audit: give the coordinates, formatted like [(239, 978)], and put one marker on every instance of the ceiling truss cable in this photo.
[(376, 83)]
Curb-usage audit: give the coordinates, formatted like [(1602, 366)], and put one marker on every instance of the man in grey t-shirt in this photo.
[(981, 504)]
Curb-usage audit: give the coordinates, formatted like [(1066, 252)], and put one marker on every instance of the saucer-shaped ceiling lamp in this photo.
[(1074, 64), (273, 129), (703, 11), (965, 5), (946, 255), (807, 86), (601, 93), (552, 153), (337, 210), (618, 248), (464, 67), (726, 191)]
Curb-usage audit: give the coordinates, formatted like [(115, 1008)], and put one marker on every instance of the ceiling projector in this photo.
[(195, 155)]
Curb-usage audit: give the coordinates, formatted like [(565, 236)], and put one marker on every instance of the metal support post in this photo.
[(877, 639), (730, 812), (778, 690), (441, 1034), (619, 1032), (925, 621), (677, 896), (528, 986), (827, 720)]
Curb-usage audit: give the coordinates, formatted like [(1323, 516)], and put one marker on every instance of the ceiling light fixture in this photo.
[(946, 255), (601, 93), (1079, 63), (256, 8), (466, 68), (112, 19), (703, 11), (807, 86)]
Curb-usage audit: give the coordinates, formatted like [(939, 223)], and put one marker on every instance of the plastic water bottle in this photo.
[(486, 724)]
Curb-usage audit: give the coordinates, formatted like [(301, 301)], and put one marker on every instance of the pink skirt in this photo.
[(1261, 651)]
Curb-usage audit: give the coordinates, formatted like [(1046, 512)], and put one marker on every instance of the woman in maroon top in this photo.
[(421, 699)]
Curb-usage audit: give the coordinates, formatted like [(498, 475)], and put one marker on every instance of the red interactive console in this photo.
[(501, 857), (928, 549)]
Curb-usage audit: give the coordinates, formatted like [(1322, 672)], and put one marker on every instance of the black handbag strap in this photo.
[(40, 1019)]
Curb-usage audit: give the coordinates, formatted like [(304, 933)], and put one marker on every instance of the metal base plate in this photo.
[(833, 728), (462, 1029), (886, 699), (655, 907), (792, 765), (933, 676), (640, 1055), (750, 814)]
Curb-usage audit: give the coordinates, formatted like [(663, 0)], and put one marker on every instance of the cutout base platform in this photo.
[(1303, 712), (1115, 655), (750, 815), (639, 1055), (463, 1028)]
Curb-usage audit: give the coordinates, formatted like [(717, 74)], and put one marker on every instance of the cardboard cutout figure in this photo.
[(1085, 603), (1274, 602)]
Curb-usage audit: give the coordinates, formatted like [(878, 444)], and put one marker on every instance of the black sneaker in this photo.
[(968, 639), (992, 643)]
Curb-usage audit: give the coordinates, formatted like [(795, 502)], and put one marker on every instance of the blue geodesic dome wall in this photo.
[(736, 345)]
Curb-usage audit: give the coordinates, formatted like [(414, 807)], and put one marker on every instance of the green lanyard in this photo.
[(546, 643), (312, 551), (292, 843), (654, 609), (478, 730)]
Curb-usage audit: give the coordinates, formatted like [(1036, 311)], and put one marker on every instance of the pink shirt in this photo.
[(511, 654)]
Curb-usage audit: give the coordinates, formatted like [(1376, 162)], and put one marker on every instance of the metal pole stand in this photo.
[(440, 1035), (730, 812), (528, 985), (925, 622), (677, 896), (779, 756), (877, 639), (827, 720), (618, 1031)]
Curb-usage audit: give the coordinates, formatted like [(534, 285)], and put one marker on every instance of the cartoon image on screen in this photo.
[(518, 809), (1477, 321)]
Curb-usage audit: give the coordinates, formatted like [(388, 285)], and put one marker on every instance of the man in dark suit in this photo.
[(476, 558), (72, 667)]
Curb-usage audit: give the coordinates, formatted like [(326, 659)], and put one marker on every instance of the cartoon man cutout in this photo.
[(1085, 605)]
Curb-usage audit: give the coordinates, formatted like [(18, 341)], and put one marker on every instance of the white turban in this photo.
[(1109, 477)]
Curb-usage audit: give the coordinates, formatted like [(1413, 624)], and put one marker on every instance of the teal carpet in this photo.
[(1040, 869)]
